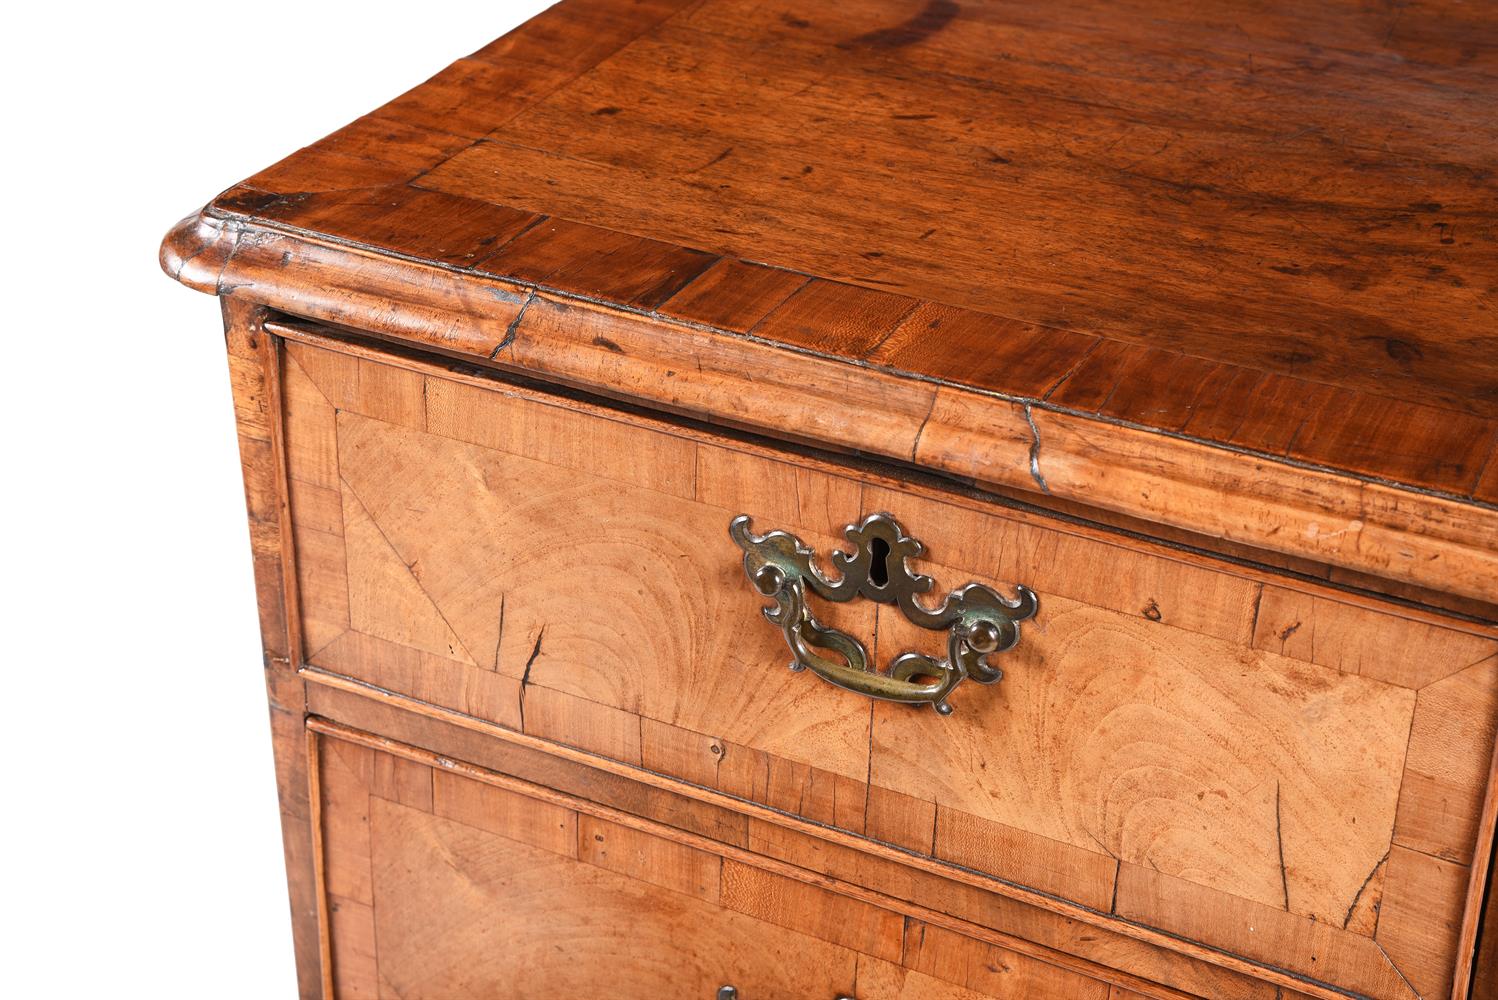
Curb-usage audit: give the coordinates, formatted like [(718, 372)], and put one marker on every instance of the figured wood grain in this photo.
[(553, 916), (1220, 273), (605, 907), (538, 643), (612, 266), (255, 364), (1441, 800), (733, 295), (1143, 722), (888, 981), (951, 897), (1420, 919), (1413, 602), (812, 910), (987, 969), (650, 859), (1373, 529), (385, 599), (401, 217), (1262, 931), (1176, 753), (1153, 170), (1176, 481), (476, 691), (1138, 222), (1356, 640), (504, 813), (1018, 928), (756, 776)]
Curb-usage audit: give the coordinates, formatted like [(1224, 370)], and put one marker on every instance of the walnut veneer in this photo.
[(1175, 314)]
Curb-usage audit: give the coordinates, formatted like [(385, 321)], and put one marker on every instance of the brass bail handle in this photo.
[(979, 621)]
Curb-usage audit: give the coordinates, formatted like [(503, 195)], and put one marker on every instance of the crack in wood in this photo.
[(514, 327), (1035, 452), (1279, 839), (1359, 894), (915, 445), (1253, 625), (525, 676)]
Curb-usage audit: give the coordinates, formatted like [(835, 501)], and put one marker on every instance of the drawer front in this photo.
[(1287, 774), (444, 880)]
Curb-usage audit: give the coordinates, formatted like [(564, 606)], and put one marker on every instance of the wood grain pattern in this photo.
[(1195, 278), (1377, 530), (629, 175), (733, 295), (955, 898), (1473, 962), (651, 859), (255, 376), (480, 888), (1267, 933), (1440, 802), (356, 969), (911, 192), (987, 969), (1147, 723), (1107, 526), (1175, 481), (1421, 918), (815, 911), (1181, 755), (1355, 640), (612, 266)]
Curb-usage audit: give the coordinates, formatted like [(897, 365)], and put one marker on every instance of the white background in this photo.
[(141, 846)]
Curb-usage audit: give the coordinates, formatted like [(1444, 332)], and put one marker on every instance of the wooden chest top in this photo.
[(1226, 270)]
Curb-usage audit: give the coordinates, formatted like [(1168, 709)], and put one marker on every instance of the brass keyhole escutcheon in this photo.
[(979, 621)]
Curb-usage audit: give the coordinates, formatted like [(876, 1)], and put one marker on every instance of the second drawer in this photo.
[(444, 880)]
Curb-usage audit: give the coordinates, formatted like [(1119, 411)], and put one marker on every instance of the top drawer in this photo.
[(1283, 772)]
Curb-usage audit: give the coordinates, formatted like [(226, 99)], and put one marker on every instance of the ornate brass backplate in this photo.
[(980, 621)]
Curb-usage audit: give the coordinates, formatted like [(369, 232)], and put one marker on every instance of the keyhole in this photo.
[(879, 572)]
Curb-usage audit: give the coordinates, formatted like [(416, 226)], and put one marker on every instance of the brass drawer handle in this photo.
[(981, 621)]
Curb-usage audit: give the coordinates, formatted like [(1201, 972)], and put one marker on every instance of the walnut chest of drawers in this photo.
[(1099, 401)]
